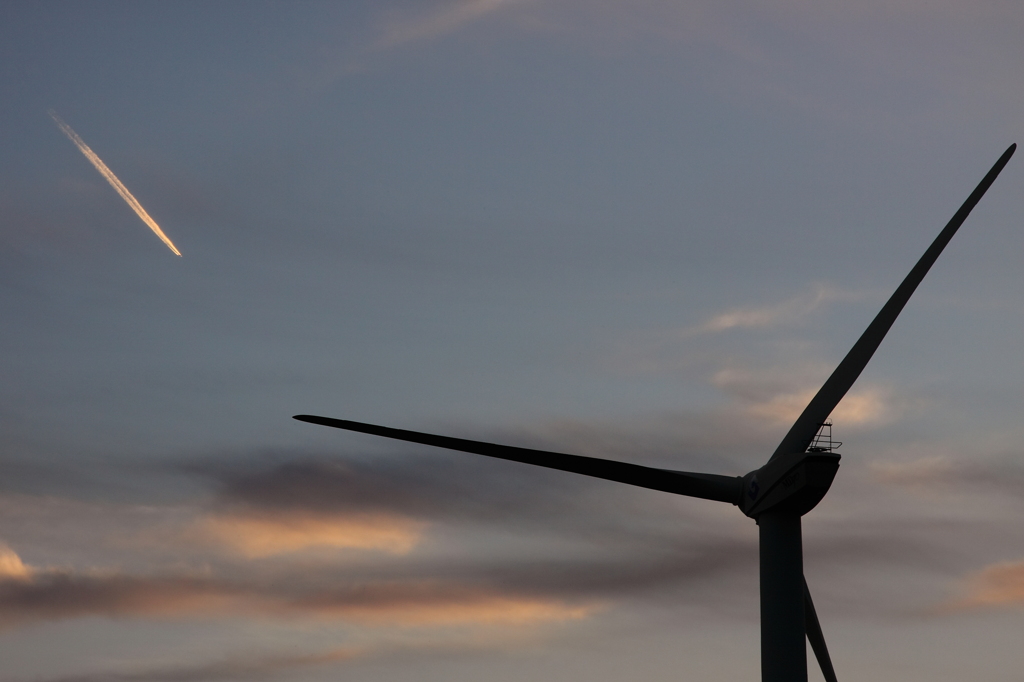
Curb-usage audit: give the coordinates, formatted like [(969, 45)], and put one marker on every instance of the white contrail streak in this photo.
[(112, 179)]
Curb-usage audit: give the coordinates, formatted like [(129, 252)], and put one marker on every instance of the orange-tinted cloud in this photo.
[(436, 603), (864, 406), (764, 396), (11, 566), (60, 595), (786, 312), (1001, 584), (285, 532)]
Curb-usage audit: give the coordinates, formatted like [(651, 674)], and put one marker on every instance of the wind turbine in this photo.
[(795, 478)]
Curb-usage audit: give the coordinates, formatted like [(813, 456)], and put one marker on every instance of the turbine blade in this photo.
[(815, 637), (705, 486), (833, 390)]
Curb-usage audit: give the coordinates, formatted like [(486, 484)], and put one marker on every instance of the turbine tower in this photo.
[(795, 478)]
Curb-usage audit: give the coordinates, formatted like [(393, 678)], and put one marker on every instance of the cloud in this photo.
[(924, 471), (942, 472), (769, 396), (59, 595), (407, 490), (237, 668), (509, 547), (438, 591), (270, 520), (786, 312), (430, 603), (1000, 584), (866, 406), (11, 566), (772, 393), (282, 533), (869, 56), (439, 20)]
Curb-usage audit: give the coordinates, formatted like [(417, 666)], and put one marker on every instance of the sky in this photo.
[(641, 230)]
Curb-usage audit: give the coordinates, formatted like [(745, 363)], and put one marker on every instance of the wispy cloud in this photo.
[(942, 472), (113, 180), (928, 471), (441, 19), (681, 348), (785, 312), (771, 396), (282, 532), (247, 667), (860, 407), (51, 595), (408, 491), (432, 604), (1000, 584), (762, 51)]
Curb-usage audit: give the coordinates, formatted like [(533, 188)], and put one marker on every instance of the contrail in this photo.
[(112, 179)]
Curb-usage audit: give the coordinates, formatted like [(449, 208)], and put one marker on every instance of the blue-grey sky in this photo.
[(642, 230)]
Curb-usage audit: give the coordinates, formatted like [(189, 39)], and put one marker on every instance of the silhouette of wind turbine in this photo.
[(795, 478)]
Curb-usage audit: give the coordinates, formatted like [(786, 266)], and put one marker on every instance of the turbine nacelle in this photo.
[(793, 483)]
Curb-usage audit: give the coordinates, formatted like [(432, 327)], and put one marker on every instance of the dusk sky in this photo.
[(636, 229)]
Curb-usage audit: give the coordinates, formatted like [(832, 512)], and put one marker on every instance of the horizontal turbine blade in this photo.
[(833, 390), (705, 486), (817, 640)]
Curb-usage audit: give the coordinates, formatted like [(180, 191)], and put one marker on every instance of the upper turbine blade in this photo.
[(706, 486), (833, 390), (814, 636)]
